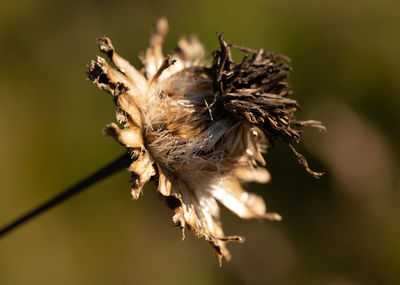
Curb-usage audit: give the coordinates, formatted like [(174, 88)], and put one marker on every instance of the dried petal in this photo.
[(142, 170), (115, 83), (246, 205), (154, 56), (129, 137), (134, 77), (164, 184), (252, 174), (199, 211)]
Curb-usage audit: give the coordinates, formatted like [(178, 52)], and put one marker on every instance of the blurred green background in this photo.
[(341, 229)]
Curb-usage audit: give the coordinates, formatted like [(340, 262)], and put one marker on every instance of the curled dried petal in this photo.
[(129, 137), (142, 170), (134, 77)]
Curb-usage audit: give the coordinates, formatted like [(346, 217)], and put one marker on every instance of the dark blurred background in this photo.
[(341, 229)]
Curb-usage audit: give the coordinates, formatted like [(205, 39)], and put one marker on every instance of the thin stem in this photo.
[(111, 168)]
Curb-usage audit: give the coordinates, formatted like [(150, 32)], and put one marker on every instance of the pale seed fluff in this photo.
[(200, 131)]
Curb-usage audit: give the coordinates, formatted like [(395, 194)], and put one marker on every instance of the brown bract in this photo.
[(200, 131)]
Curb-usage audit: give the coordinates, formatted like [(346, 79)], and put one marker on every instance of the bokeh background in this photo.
[(341, 229)]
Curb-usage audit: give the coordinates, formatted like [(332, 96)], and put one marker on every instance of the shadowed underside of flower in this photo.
[(200, 131)]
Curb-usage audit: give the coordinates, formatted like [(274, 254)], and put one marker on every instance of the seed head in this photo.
[(200, 131)]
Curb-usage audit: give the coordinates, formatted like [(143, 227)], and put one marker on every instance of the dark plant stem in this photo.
[(111, 168)]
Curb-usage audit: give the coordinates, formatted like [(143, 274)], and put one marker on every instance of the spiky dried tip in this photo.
[(255, 91)]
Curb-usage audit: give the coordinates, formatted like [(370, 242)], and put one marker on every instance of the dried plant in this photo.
[(200, 131)]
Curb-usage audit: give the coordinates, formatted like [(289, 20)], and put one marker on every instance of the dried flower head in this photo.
[(200, 131)]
